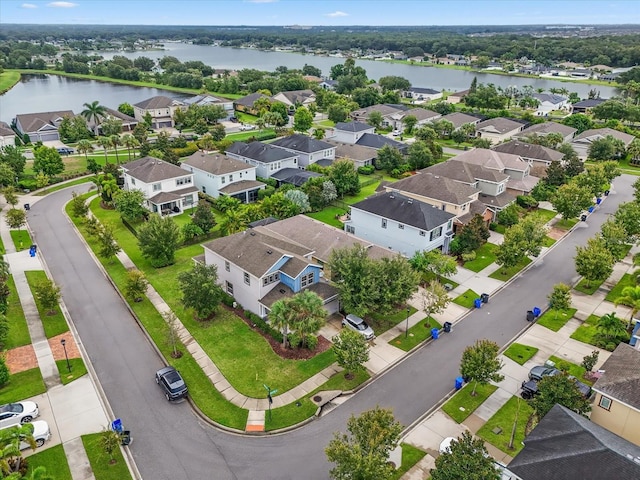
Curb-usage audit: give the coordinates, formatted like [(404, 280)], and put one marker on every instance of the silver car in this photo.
[(359, 325), (16, 413)]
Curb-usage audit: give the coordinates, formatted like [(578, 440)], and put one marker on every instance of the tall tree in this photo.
[(473, 235), (465, 459), (593, 261), (480, 363), (200, 290), (628, 216), (434, 263), (363, 453), (48, 161), (614, 238), (520, 240), (203, 217), (158, 239), (630, 296), (130, 142), (302, 120), (94, 112), (351, 350), (128, 203), (571, 199), (115, 143), (558, 389), (306, 317)]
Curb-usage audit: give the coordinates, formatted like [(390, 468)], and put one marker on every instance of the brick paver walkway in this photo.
[(24, 358)]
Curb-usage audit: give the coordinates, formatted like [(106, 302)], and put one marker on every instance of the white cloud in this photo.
[(62, 4), (28, 5), (337, 13)]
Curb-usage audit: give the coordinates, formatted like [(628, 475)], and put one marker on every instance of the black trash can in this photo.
[(606, 193), (485, 298), (530, 316), (446, 327), (583, 217), (27, 206)]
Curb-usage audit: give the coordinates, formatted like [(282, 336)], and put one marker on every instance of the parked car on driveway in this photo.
[(41, 433), (17, 413), (359, 325), (536, 373), (65, 150), (247, 126), (530, 388), (172, 383)]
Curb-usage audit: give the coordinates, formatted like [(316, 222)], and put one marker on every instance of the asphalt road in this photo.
[(172, 443)]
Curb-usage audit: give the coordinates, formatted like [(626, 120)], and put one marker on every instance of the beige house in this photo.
[(160, 108), (498, 129), (617, 403)]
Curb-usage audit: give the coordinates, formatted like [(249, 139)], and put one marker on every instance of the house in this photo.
[(168, 189), (328, 84), (128, 123), (309, 150), (498, 129), (519, 181), (550, 102), (247, 104), (531, 153), (457, 97), (160, 108), (386, 110), (545, 128), (295, 98), (360, 155), (421, 95), (586, 106), (349, 132), (216, 174), (376, 141), (459, 198), (206, 100), (257, 270), (582, 142), (266, 158), (565, 445), (41, 127), (458, 119), (634, 341), (402, 223), (617, 402), (7, 135), (422, 115)]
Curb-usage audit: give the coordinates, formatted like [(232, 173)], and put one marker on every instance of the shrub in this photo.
[(190, 149), (526, 201), (366, 170), (4, 372), (191, 230), (467, 257), (228, 300)]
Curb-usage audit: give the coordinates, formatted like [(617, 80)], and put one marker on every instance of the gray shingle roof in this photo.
[(294, 176), (550, 97), (492, 159), (565, 445), (159, 101), (499, 125), (420, 114), (32, 122), (466, 172), (354, 152), (297, 96), (260, 152), (352, 126), (621, 378), (151, 169), (589, 103), (458, 119), (397, 207), (374, 140), (529, 150), (430, 91), (547, 128), (596, 133), (384, 109), (428, 185), (241, 186), (249, 100), (215, 163), (301, 143)]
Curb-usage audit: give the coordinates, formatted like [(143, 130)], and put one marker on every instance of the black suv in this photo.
[(172, 383)]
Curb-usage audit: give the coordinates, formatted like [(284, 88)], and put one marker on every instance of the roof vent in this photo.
[(269, 252), (282, 291), (436, 176)]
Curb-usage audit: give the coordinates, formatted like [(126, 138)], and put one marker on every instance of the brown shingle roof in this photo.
[(215, 163), (428, 185), (150, 169), (493, 159), (547, 128), (465, 172), (31, 122), (604, 132), (529, 150), (353, 151), (621, 377), (458, 119), (159, 101), (241, 186), (499, 125)]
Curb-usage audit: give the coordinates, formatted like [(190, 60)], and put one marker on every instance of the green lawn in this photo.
[(485, 256), (410, 456), (576, 370), (22, 385), (445, 280), (520, 353), (588, 333), (556, 319), (60, 186), (18, 332), (53, 324), (100, 462), (546, 215), (54, 460), (328, 215), (466, 299), (503, 420), (78, 369), (588, 288), (21, 239), (382, 323), (505, 274), (548, 241), (417, 334), (563, 224), (627, 280), (462, 404)]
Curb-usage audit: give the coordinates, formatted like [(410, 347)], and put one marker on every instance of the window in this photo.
[(501, 188), (384, 223), (401, 226), (222, 180), (436, 233), (204, 189), (230, 178), (274, 277), (230, 288), (183, 181), (306, 280), (247, 278), (188, 200), (157, 187), (605, 402), (133, 181), (227, 266), (351, 229)]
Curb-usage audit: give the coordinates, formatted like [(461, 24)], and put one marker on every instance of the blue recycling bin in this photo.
[(434, 333), (459, 382), (477, 303), (32, 250), (598, 201), (536, 312), (591, 209)]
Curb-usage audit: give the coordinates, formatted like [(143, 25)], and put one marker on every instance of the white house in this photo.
[(160, 108), (498, 129), (421, 95), (349, 132), (401, 223), (7, 136), (582, 142), (216, 174), (41, 127), (267, 159), (168, 189), (295, 98), (309, 150), (550, 102)]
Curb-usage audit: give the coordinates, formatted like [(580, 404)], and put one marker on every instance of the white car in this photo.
[(16, 413), (357, 324), (246, 126), (445, 445), (41, 434)]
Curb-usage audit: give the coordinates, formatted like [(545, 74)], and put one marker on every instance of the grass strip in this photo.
[(18, 335), (54, 324), (556, 319), (520, 353), (54, 460), (101, 463), (78, 369), (420, 332), (466, 299), (503, 421), (463, 404)]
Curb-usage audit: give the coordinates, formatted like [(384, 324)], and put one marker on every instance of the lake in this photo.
[(40, 93)]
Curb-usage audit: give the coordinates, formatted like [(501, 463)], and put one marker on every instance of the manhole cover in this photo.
[(317, 398)]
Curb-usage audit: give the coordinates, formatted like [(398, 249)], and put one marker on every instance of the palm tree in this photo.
[(610, 326), (114, 140), (630, 296), (279, 318), (207, 143), (105, 143), (235, 221), (94, 111), (307, 315), (85, 146), (130, 142)]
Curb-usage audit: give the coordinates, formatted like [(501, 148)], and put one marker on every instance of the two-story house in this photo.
[(43, 126), (295, 98), (267, 159), (401, 223), (421, 95), (536, 155), (617, 403), (582, 142), (309, 150), (168, 189), (258, 269), (498, 129), (206, 100), (247, 104), (349, 132), (160, 108), (546, 128), (216, 174), (386, 110)]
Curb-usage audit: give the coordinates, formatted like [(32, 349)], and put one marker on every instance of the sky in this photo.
[(320, 12)]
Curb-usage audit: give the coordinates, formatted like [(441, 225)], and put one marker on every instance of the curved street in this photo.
[(171, 442)]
